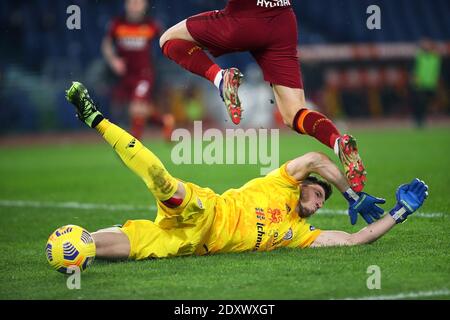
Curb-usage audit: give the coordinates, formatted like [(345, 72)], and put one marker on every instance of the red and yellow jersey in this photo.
[(133, 42), (261, 215)]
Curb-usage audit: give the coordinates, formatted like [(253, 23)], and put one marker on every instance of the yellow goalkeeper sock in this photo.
[(139, 159)]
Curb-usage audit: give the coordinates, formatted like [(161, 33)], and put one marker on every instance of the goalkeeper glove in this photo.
[(363, 203), (410, 197)]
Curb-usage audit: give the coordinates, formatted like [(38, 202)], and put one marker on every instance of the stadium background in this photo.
[(361, 78), (40, 56)]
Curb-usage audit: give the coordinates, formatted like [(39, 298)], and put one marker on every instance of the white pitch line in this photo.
[(404, 295), (125, 207), (73, 205)]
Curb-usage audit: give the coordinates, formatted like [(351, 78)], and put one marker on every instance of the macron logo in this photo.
[(273, 4)]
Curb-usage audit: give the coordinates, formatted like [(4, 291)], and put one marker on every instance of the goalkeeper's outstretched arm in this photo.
[(366, 235), (410, 197)]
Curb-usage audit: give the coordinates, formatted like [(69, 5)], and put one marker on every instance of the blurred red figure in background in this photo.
[(127, 49)]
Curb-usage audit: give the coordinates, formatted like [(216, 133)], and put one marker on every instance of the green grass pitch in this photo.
[(414, 257)]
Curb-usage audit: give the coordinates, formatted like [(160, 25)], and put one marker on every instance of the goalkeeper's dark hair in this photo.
[(324, 184)]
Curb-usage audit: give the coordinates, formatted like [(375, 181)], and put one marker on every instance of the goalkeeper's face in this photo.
[(312, 198)]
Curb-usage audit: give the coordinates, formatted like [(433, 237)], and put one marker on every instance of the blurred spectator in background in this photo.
[(426, 76), (127, 49)]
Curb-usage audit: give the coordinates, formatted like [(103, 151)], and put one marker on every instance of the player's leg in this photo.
[(291, 103), (280, 65), (142, 111), (292, 106), (120, 100), (138, 109), (138, 240), (138, 114), (166, 121), (142, 161), (111, 243), (138, 158), (179, 45)]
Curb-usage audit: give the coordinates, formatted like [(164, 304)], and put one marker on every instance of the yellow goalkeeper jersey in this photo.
[(261, 215)]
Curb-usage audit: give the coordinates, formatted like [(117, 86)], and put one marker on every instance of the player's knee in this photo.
[(166, 36), (178, 31), (111, 244), (99, 243), (163, 39)]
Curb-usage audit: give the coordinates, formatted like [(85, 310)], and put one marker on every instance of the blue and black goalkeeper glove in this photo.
[(410, 197), (365, 204)]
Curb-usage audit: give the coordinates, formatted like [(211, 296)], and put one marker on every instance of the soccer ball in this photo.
[(70, 246)]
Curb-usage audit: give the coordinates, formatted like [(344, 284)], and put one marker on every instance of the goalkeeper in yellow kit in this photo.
[(264, 214)]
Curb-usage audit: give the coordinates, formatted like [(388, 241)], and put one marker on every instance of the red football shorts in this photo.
[(272, 41), (131, 88)]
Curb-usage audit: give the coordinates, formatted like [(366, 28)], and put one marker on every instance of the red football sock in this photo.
[(316, 125), (137, 127), (173, 202), (191, 57)]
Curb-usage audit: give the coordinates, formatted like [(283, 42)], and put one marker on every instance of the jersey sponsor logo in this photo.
[(288, 235), (275, 215), (134, 37), (260, 234), (273, 3), (133, 43), (127, 31), (260, 215)]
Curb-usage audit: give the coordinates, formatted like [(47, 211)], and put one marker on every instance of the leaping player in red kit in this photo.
[(127, 49), (268, 30)]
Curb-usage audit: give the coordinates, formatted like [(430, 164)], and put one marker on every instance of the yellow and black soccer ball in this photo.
[(70, 246)]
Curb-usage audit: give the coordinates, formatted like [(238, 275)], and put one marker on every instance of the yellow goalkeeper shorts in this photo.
[(175, 232)]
